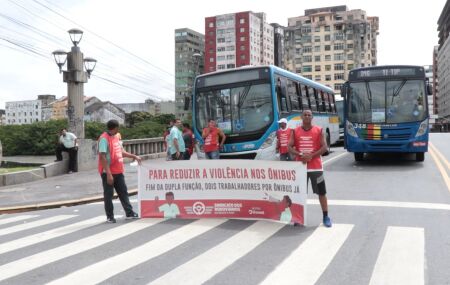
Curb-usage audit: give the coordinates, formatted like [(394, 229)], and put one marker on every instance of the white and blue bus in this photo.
[(386, 110), (247, 103)]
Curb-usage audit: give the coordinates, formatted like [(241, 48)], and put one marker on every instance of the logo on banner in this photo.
[(198, 208)]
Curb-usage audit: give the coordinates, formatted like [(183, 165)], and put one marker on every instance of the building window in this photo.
[(219, 49), (349, 46), (339, 66), (327, 47), (308, 76), (317, 39), (339, 76), (327, 28), (317, 29), (317, 58), (231, 65), (242, 30), (307, 49), (327, 67), (317, 68), (327, 57), (211, 25), (242, 21), (350, 56), (339, 46), (317, 77), (337, 86), (317, 48), (350, 66), (327, 77), (221, 66), (327, 38), (220, 58), (211, 59), (307, 68), (230, 56), (242, 39), (339, 36), (349, 36), (322, 18), (306, 30), (307, 58), (338, 56), (242, 56)]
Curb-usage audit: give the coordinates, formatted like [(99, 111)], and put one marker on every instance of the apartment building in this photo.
[(189, 51), (238, 39), (326, 43), (443, 69)]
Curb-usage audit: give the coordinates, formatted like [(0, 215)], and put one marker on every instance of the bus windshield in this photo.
[(396, 101), (340, 111), (241, 109)]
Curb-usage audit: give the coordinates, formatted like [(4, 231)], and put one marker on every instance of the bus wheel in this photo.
[(359, 156), (328, 139), (420, 156)]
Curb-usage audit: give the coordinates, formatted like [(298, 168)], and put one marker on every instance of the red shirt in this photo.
[(212, 141), (115, 154), (283, 137), (308, 142)]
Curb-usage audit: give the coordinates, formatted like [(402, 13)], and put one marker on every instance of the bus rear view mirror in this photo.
[(187, 102), (429, 89)]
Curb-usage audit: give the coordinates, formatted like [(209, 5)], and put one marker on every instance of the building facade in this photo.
[(238, 39), (189, 58), (102, 112), (443, 69), (2, 117), (326, 43), (23, 112)]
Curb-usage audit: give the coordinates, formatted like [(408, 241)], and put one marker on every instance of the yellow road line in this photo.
[(441, 168), (440, 155)]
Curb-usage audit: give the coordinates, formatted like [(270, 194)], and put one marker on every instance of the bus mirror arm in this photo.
[(187, 103), (429, 89)]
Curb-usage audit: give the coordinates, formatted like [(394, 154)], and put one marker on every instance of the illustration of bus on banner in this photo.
[(252, 190)]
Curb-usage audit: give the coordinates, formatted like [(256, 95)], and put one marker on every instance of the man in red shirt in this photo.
[(308, 143), (211, 135), (283, 135)]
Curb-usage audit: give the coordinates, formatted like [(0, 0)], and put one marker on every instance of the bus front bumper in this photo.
[(419, 144)]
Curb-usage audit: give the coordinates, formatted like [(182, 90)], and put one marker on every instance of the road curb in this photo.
[(58, 204)]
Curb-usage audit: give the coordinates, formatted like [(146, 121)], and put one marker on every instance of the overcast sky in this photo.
[(133, 40)]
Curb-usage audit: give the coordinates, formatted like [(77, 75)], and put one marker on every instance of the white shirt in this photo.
[(68, 140)]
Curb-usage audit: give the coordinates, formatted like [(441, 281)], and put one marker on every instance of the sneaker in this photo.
[(133, 215), (327, 222), (111, 220)]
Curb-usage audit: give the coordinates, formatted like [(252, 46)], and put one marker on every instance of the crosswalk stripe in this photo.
[(309, 260), (401, 258), (38, 223), (43, 258), (203, 267), (47, 235), (10, 220), (105, 269)]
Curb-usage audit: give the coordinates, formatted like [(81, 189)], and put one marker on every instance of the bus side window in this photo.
[(281, 95), (307, 102), (300, 98), (327, 102), (332, 103), (321, 99), (292, 94), (312, 99)]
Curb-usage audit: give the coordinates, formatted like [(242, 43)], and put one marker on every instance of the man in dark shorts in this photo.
[(308, 143)]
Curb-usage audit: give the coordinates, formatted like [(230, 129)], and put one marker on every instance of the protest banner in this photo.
[(246, 189)]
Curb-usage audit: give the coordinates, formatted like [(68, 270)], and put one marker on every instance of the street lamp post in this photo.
[(75, 77)]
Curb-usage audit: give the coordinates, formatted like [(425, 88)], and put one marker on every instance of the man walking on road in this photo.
[(67, 142), (111, 169), (308, 143)]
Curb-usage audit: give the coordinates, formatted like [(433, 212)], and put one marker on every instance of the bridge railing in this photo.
[(144, 146)]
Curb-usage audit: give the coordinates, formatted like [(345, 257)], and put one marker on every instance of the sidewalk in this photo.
[(69, 189)]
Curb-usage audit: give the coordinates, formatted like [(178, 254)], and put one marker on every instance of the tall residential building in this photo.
[(443, 90), (278, 43), (326, 43), (27, 111), (189, 51), (238, 39)]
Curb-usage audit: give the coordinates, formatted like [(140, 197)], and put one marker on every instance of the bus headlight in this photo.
[(351, 130), (269, 141), (422, 128)]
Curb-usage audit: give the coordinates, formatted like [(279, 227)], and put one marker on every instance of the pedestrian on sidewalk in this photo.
[(67, 142), (176, 142), (189, 141), (111, 169), (166, 139), (283, 135), (308, 143)]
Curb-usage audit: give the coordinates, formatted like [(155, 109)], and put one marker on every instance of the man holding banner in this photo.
[(308, 143)]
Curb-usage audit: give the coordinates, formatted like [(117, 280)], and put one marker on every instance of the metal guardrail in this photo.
[(144, 146)]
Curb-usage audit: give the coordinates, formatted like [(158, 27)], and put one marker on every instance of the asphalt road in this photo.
[(391, 219)]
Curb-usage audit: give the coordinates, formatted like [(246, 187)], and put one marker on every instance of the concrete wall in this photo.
[(22, 177)]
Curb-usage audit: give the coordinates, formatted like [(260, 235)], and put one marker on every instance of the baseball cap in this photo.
[(283, 120)]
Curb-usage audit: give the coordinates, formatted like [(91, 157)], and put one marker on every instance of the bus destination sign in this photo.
[(385, 72)]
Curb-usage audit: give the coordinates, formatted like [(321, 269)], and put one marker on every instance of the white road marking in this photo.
[(334, 158), (389, 204), (47, 235), (203, 267), (401, 258), (34, 224), (307, 262), (5, 221), (43, 258), (105, 269)]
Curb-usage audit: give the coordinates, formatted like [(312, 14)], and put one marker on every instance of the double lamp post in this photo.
[(75, 77)]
